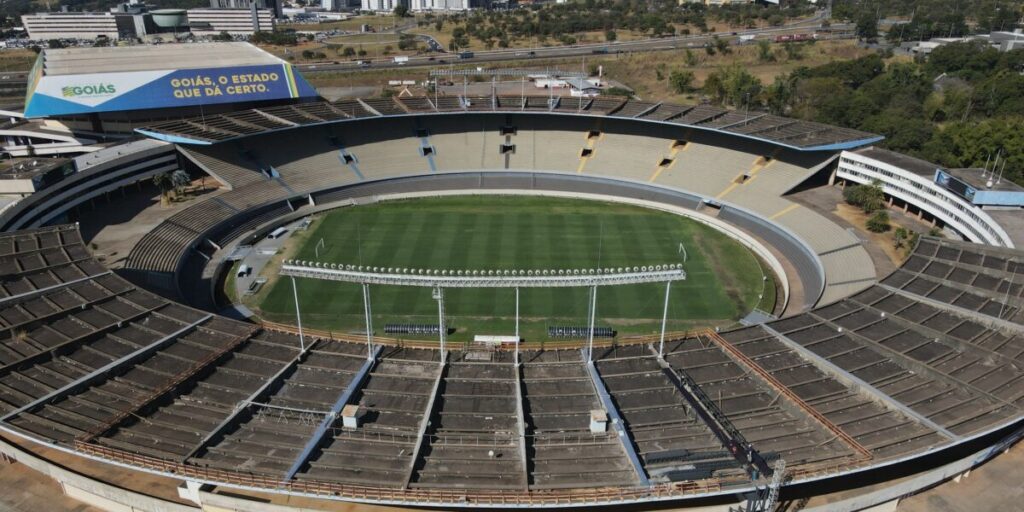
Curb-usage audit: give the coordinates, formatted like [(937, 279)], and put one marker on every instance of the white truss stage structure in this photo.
[(438, 280), (484, 278)]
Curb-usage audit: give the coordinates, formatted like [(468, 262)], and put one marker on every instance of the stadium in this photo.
[(132, 375)]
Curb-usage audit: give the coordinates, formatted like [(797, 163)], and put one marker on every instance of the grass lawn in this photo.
[(505, 232)]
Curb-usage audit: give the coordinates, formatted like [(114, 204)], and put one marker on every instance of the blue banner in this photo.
[(110, 92)]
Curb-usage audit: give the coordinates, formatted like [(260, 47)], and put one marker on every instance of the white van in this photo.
[(275, 234)]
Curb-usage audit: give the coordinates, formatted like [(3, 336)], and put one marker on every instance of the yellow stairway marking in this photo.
[(591, 141), (784, 211), (759, 165), (674, 150)]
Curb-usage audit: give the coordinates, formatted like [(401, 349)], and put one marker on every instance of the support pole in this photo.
[(441, 329), (517, 329), (590, 333), (664, 320), (298, 315), (369, 320), (517, 311)]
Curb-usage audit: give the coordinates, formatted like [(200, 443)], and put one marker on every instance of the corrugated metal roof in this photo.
[(116, 59)]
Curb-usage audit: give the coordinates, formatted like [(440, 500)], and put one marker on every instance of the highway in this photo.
[(18, 78), (559, 52)]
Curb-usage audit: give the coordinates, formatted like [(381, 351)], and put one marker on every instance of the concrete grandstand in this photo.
[(862, 376)]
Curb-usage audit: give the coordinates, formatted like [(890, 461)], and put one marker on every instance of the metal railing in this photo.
[(788, 393), (463, 497), (574, 344), (168, 386)]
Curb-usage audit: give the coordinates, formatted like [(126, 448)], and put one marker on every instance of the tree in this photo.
[(55, 43), (690, 58), (681, 81), (618, 91), (179, 179), (764, 51), (969, 60), (972, 143), (163, 182), (349, 51), (401, 10), (778, 96), (899, 237), (407, 42), (223, 36), (722, 45), (733, 85), (867, 27), (903, 131), (794, 51), (610, 35), (878, 222), (286, 38), (870, 198)]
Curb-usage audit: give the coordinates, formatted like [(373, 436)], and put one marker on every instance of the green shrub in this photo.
[(869, 198), (878, 222)]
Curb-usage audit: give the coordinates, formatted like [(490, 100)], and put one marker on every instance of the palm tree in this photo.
[(179, 180), (163, 182)]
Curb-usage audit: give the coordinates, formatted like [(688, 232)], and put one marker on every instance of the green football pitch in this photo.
[(724, 279)]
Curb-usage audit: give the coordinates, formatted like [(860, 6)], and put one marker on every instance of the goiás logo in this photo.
[(88, 91)]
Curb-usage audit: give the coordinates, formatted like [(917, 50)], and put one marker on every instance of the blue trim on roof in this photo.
[(846, 144), (174, 139), (837, 146)]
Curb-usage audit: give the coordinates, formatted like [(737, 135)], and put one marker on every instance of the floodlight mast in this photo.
[(441, 329), (664, 320), (590, 331), (517, 311), (298, 315), (369, 320)]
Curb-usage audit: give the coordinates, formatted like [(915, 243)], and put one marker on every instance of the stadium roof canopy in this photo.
[(790, 133), (114, 59), (75, 81)]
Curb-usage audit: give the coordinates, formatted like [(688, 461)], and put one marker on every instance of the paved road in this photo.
[(262, 252), (643, 45)]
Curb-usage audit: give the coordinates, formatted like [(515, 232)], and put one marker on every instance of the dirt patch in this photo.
[(884, 241)]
